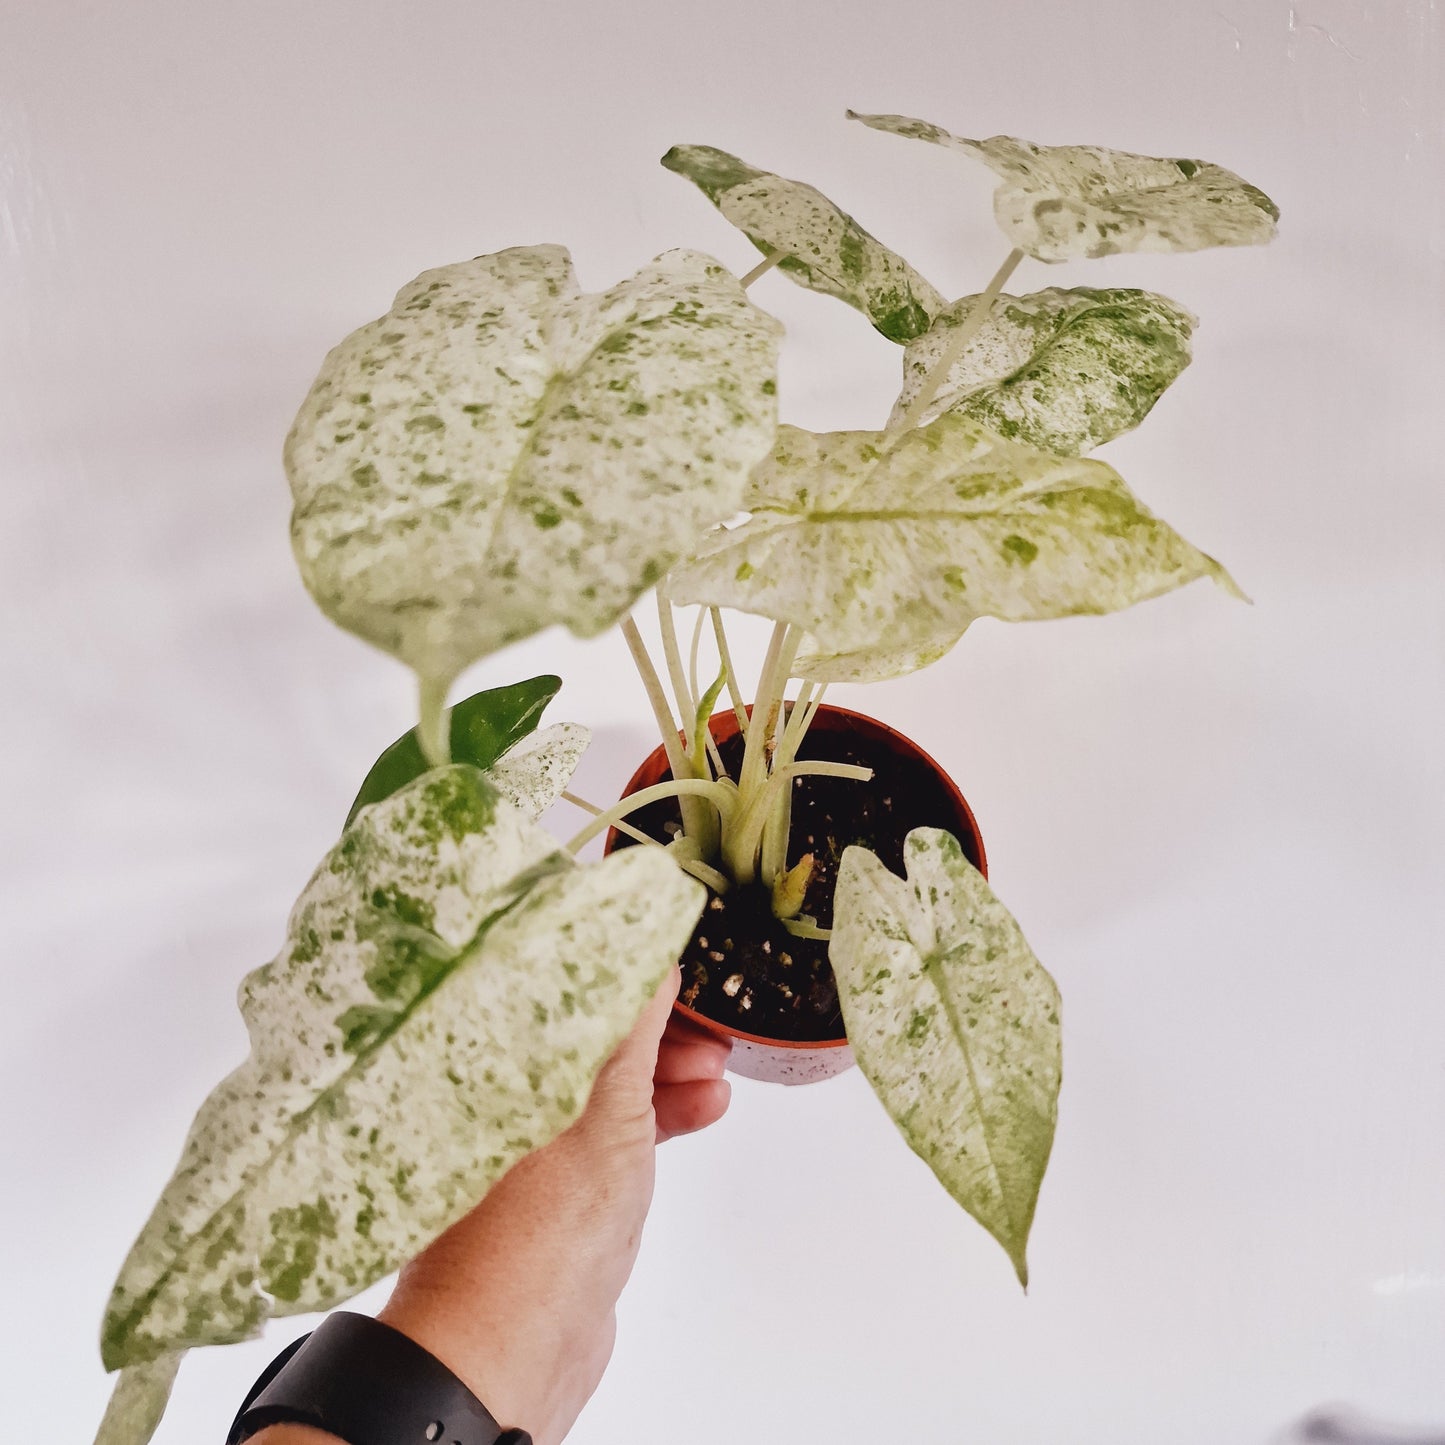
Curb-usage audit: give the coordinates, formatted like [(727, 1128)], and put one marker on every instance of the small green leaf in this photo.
[(705, 707), (884, 547), (1060, 203), (823, 247), (1065, 371), (138, 1401), (449, 987), (500, 453), (954, 1023), (483, 727)]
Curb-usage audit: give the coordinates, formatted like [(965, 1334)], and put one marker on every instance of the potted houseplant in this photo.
[(500, 453)]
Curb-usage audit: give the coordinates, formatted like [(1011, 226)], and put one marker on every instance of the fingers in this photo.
[(687, 1107), (623, 1090), (688, 1052), (688, 1088), (667, 1067)]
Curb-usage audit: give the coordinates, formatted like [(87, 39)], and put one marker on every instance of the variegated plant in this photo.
[(501, 452)]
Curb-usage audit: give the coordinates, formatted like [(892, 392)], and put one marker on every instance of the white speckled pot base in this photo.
[(775, 1064)]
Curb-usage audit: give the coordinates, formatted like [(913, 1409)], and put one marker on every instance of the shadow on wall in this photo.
[(1337, 1425)]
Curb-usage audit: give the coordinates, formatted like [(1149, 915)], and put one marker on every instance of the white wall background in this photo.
[(1223, 827)]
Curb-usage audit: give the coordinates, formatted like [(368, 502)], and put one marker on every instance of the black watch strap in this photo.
[(368, 1384)]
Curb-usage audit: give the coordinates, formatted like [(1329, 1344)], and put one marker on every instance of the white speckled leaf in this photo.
[(138, 1401), (1061, 203), (1062, 370), (885, 546), (532, 774), (500, 453), (955, 1024), (824, 248), (449, 987), (874, 664)]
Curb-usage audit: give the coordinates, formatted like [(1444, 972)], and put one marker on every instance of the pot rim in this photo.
[(728, 720)]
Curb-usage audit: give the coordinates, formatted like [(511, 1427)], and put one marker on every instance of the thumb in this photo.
[(623, 1091)]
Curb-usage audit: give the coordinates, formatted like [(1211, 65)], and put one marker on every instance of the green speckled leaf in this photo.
[(885, 546), (824, 248), (1060, 203), (955, 1024), (500, 453), (483, 727), (138, 1401), (449, 986), (1062, 370)]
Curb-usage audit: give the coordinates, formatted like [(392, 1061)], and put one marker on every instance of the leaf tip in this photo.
[(1224, 580), (1021, 1269)]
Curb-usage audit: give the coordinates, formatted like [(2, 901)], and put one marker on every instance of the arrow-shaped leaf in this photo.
[(1060, 203), (954, 1023), (885, 546), (1061, 370), (823, 247), (500, 453), (483, 728), (446, 964)]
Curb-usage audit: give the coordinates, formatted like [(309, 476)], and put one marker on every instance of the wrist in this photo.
[(517, 1299), (292, 1435), (499, 1372)]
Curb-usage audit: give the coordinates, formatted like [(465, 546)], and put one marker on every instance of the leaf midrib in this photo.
[(932, 966), (297, 1123)]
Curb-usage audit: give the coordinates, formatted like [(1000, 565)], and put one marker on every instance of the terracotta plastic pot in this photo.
[(783, 1061)]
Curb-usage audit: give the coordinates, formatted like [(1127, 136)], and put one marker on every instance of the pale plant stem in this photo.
[(686, 700), (773, 846), (434, 725), (808, 718), (743, 838), (622, 826), (652, 685), (693, 866), (806, 928), (718, 794), (800, 719), (728, 669), (779, 718), (705, 873), (754, 754), (812, 768), (585, 804), (777, 712), (742, 850), (938, 373), (763, 267), (719, 768), (774, 854), (692, 647), (697, 821), (719, 771), (780, 821)]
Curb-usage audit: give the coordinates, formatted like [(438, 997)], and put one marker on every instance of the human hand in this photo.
[(518, 1299)]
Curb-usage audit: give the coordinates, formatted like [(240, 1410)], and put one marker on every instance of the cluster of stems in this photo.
[(735, 830), (735, 827)]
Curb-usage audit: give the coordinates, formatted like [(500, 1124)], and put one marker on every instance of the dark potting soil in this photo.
[(742, 967)]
